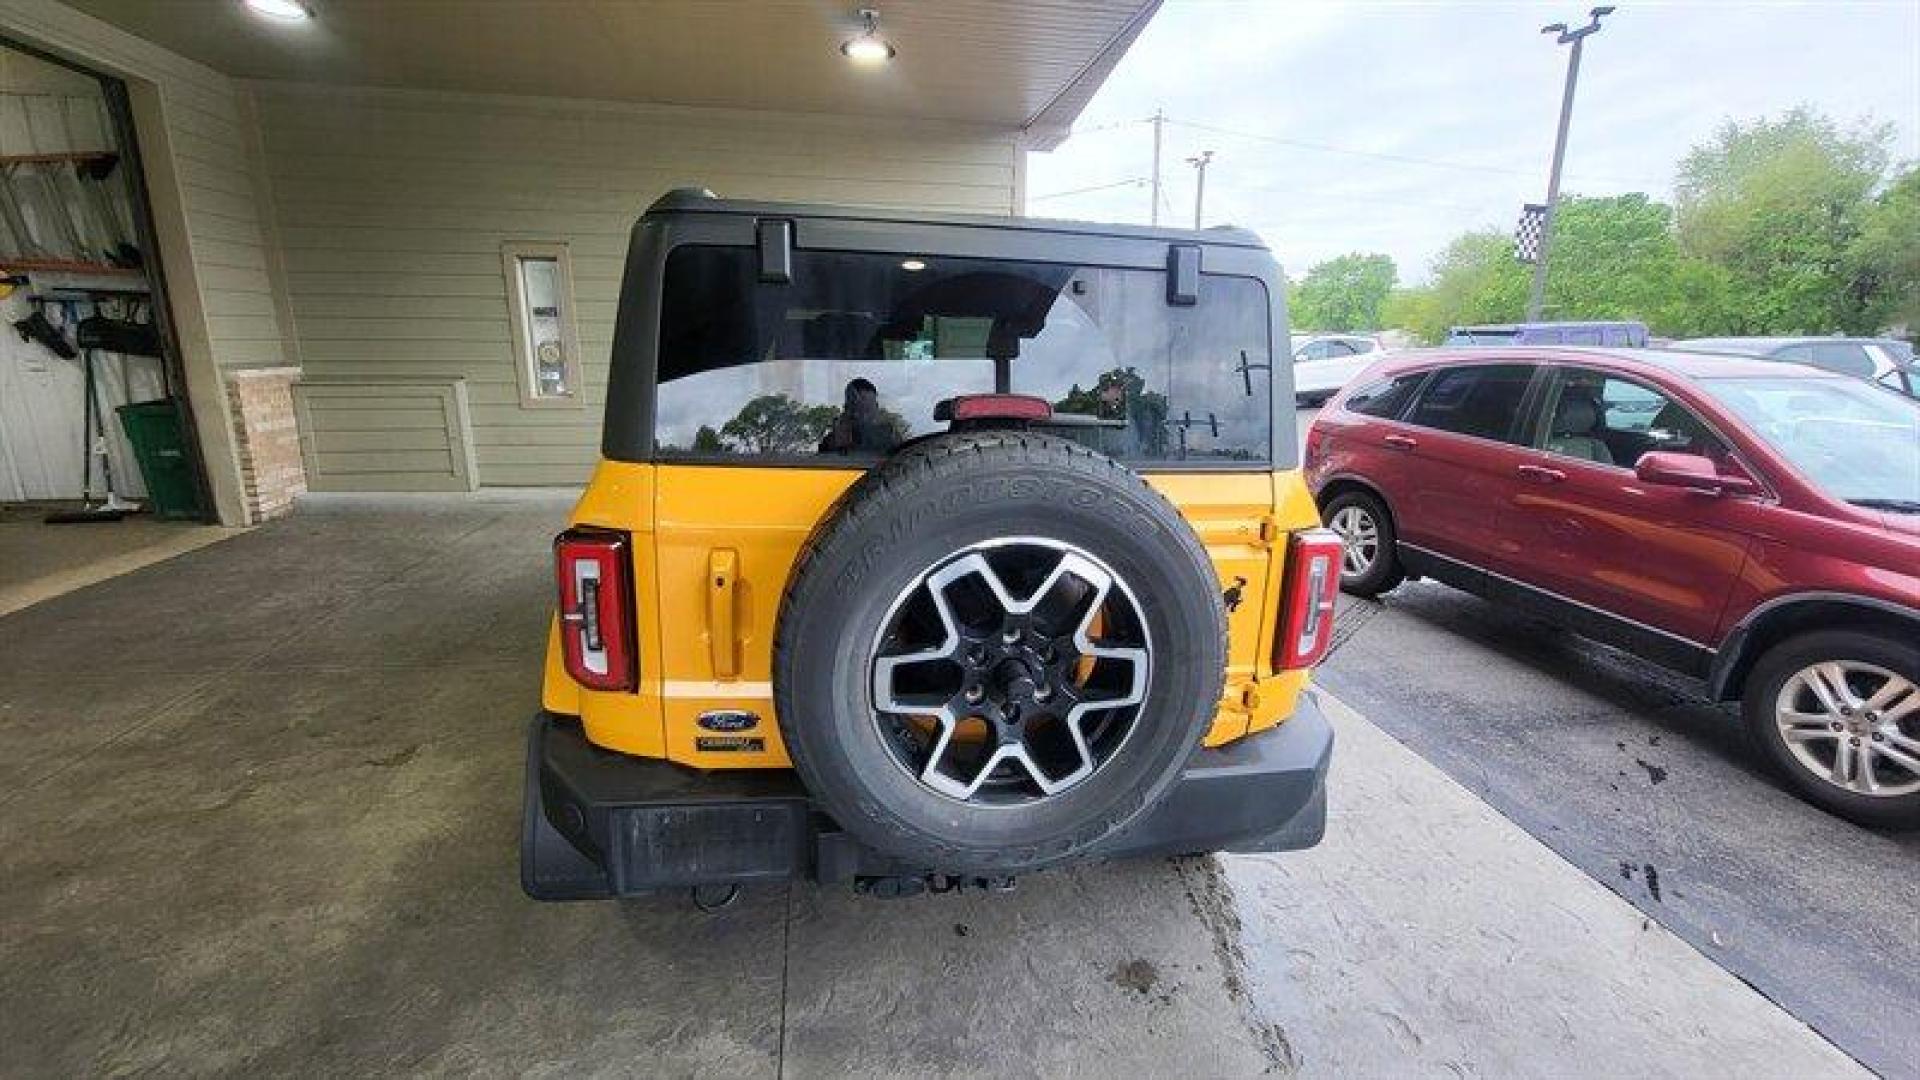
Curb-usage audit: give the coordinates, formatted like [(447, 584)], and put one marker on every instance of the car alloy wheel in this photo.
[(1854, 725), (1010, 671), (1361, 534)]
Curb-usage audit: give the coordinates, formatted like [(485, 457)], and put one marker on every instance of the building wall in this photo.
[(195, 146), (391, 208)]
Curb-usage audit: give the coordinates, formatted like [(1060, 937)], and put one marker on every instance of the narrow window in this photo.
[(546, 343)]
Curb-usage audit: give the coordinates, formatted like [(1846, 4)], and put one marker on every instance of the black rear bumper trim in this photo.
[(599, 824)]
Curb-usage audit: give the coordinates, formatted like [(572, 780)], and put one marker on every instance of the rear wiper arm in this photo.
[(1904, 506)]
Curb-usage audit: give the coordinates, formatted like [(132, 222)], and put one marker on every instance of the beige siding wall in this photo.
[(390, 210), (195, 142)]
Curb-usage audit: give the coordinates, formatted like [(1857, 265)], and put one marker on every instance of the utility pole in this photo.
[(1156, 120), (1200, 183), (1537, 298)]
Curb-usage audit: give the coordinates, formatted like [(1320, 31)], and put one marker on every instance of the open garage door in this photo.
[(96, 436)]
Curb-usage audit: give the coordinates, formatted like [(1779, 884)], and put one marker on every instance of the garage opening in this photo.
[(99, 467)]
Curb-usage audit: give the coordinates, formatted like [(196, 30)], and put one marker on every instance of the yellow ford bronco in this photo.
[(927, 550)]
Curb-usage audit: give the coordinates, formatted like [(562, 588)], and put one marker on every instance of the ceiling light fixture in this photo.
[(913, 265), (281, 10), (869, 47)]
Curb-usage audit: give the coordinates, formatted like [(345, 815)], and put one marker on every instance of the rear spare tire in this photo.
[(996, 651)]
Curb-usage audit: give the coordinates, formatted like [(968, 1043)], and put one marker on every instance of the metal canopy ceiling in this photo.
[(1021, 64)]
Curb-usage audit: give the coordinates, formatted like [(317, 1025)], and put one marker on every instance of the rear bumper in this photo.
[(600, 824)]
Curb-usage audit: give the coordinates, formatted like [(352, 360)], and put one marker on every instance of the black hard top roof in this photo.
[(695, 200)]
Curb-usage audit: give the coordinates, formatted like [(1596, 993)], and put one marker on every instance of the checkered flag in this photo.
[(1526, 235)]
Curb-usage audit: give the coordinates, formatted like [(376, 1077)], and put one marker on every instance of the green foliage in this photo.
[(1779, 205), (1345, 293), (1776, 230), (1122, 394), (1475, 280), (777, 424), (1886, 255), (707, 440)]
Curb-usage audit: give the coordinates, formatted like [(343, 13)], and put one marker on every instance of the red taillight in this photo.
[(1306, 599), (596, 608)]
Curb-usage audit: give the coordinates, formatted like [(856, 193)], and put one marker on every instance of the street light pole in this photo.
[(1157, 120), (1536, 299), (1200, 184)]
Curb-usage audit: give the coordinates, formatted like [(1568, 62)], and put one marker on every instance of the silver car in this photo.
[(1886, 361)]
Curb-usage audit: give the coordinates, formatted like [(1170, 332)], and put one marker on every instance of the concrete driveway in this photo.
[(259, 810)]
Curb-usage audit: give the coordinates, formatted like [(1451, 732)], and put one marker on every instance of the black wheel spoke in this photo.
[(990, 650)]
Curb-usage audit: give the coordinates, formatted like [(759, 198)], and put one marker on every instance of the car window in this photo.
[(1795, 354), (1617, 335), (852, 355), (1608, 420), (1844, 357), (1583, 335), (1312, 350), (1340, 348), (1480, 400), (1386, 398), (1854, 440)]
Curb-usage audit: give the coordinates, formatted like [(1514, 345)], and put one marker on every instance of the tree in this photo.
[(1122, 394), (1777, 230), (1344, 293), (1613, 258), (707, 440), (1779, 205), (1474, 280), (1885, 257), (777, 424)]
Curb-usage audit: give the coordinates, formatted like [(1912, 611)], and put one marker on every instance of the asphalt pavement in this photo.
[(1630, 773), (280, 838)]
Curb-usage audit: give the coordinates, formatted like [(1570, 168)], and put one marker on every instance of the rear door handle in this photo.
[(1401, 442), (723, 567), (1541, 473)]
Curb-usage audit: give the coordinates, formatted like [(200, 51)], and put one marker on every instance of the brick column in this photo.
[(269, 439)]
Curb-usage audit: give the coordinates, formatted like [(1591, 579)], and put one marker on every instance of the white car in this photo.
[(1323, 363)]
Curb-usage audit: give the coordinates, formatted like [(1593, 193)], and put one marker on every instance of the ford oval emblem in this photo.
[(729, 720)]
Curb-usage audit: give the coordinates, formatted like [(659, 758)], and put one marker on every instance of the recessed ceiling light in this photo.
[(282, 10), (869, 47), (913, 264)]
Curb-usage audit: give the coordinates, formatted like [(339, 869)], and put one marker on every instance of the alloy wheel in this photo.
[(1010, 671), (1361, 534), (1854, 725)]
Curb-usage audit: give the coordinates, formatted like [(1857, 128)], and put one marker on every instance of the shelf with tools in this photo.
[(66, 213), (76, 157), (10, 264)]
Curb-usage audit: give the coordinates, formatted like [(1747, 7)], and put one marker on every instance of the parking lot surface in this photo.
[(1631, 774), (280, 837)]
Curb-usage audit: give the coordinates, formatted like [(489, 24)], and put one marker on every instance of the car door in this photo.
[(1591, 532), (1462, 443)]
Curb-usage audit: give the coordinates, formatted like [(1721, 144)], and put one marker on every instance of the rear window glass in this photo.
[(850, 358), (1482, 401), (1387, 398), (1844, 357)]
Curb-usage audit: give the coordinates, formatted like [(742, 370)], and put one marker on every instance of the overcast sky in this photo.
[(1472, 90)]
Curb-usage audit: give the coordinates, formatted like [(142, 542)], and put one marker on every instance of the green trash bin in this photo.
[(158, 432)]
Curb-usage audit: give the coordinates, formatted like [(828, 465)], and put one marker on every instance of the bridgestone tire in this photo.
[(907, 515)]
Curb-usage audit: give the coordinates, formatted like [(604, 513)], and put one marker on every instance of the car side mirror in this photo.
[(1694, 472)]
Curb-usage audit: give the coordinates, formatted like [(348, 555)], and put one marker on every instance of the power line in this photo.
[(1113, 126), (1131, 182), (1403, 159)]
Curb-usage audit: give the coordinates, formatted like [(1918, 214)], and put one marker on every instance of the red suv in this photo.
[(1753, 523)]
